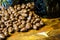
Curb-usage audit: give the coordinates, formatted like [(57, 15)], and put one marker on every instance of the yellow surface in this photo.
[(51, 24)]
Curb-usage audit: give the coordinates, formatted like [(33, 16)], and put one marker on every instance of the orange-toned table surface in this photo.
[(51, 29)]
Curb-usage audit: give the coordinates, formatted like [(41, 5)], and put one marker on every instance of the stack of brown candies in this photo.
[(18, 18)]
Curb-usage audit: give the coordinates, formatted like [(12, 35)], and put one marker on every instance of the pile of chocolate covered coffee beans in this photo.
[(18, 18)]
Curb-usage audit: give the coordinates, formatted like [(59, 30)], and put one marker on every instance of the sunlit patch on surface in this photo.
[(43, 33)]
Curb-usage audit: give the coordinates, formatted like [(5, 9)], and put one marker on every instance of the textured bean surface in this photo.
[(18, 19)]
